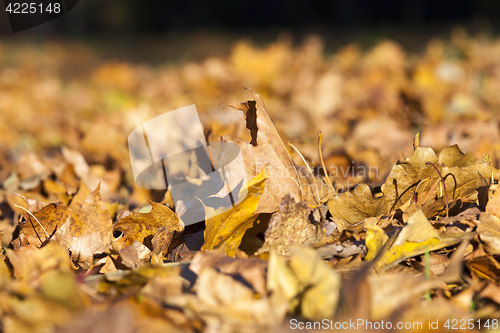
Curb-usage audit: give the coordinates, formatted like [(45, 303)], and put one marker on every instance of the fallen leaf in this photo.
[(142, 227), (311, 288), (33, 265), (187, 250), (493, 206), (47, 221), (392, 291), (96, 217), (134, 255), (417, 237), (162, 240), (295, 225), (226, 229), (252, 271), (398, 187), (79, 198), (489, 232), (84, 247), (485, 267), (267, 149), (221, 296), (453, 157), (375, 239), (357, 205)]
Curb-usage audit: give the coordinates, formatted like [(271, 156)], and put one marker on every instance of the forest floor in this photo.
[(369, 193)]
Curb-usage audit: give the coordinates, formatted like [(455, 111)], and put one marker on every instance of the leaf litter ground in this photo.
[(82, 248)]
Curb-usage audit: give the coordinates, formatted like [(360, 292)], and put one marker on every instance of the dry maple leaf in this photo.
[(267, 149), (295, 225), (143, 227), (44, 223), (357, 205), (398, 187), (452, 156), (96, 217)]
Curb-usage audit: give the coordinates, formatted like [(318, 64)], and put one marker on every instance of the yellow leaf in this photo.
[(225, 230), (417, 237), (375, 239)]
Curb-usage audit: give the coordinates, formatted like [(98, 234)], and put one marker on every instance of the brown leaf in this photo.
[(267, 149), (485, 267), (133, 255), (187, 250), (467, 179), (96, 217), (84, 247), (142, 227), (48, 221), (392, 291), (417, 237), (357, 205), (489, 232), (162, 240), (79, 198), (232, 303), (398, 187), (452, 156), (296, 224), (252, 271), (32, 264), (493, 206)]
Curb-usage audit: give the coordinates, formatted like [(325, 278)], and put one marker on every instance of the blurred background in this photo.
[(368, 74)]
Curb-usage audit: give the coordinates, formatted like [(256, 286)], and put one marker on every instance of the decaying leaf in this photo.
[(251, 270), (489, 232), (398, 187), (267, 149), (222, 296), (34, 265), (47, 221), (143, 227), (489, 225), (226, 229), (357, 205), (453, 157), (133, 255), (295, 225), (95, 216)]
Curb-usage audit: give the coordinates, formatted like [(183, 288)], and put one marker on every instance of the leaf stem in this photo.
[(302, 157), (317, 198), (442, 182), (329, 182), (416, 188)]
